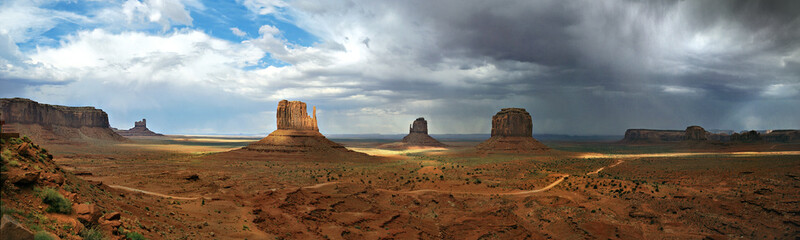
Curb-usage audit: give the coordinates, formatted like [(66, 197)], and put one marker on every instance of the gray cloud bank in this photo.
[(579, 67)]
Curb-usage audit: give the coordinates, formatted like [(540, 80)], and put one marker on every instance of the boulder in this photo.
[(87, 213), (11, 229), (23, 177)]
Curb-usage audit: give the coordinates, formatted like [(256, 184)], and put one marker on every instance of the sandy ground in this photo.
[(449, 193)]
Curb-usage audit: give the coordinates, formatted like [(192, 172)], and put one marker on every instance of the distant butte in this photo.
[(139, 129), (417, 137), (297, 135), (512, 132)]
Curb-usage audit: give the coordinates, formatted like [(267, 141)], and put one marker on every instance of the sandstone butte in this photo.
[(512, 132), (139, 129), (53, 123), (297, 133), (418, 135)]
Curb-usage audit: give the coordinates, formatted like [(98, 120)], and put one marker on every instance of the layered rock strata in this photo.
[(512, 132), (53, 123)]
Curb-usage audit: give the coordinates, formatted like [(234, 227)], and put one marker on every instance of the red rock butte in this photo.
[(512, 132), (418, 135), (297, 133)]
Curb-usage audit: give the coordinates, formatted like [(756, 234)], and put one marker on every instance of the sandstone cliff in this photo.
[(695, 133), (653, 136), (512, 132), (139, 129), (55, 124), (297, 133)]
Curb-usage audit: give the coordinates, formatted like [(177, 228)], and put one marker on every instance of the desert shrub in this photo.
[(92, 234), (42, 235), (135, 236), (58, 203)]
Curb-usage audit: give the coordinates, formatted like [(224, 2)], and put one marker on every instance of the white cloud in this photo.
[(263, 7), (164, 12), (238, 32), (781, 90)]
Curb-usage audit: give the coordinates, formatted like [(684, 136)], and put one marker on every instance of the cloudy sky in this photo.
[(579, 67)]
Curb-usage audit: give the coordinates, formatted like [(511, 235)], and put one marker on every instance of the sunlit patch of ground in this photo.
[(393, 153), (178, 148)]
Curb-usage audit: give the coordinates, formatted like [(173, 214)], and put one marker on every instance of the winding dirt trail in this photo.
[(561, 178), (154, 193)]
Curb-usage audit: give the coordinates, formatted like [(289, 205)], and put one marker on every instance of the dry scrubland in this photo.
[(178, 187)]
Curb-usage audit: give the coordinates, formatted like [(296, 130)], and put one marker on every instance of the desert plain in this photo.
[(182, 187)]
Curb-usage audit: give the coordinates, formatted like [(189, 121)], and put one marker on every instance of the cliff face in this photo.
[(512, 132), (26, 111), (512, 122), (55, 124), (653, 136), (419, 126), (293, 115), (695, 133)]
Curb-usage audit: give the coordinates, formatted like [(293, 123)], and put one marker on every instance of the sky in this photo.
[(581, 67)]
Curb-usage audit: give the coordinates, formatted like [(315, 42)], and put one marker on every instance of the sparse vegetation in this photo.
[(92, 234), (42, 235), (58, 203), (134, 236)]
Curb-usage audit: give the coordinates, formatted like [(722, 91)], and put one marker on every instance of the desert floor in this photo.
[(179, 187)]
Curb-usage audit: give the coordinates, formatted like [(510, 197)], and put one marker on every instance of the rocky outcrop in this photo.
[(512, 132), (11, 229), (512, 122), (139, 129), (53, 123), (695, 133), (297, 133), (783, 136), (418, 135), (292, 115), (653, 136), (746, 137)]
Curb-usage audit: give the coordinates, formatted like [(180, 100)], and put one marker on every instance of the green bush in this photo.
[(135, 236), (42, 235), (58, 203), (92, 234)]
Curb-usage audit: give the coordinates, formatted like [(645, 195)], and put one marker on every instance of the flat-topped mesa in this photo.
[(47, 123), (293, 115), (512, 122), (512, 132)]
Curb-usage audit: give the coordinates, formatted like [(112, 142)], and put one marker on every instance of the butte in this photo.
[(512, 132), (417, 137), (296, 138)]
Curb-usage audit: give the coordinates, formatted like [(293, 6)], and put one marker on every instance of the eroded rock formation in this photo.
[(695, 133), (297, 133), (53, 123), (418, 136), (293, 115), (653, 136), (139, 129), (512, 131), (746, 137)]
